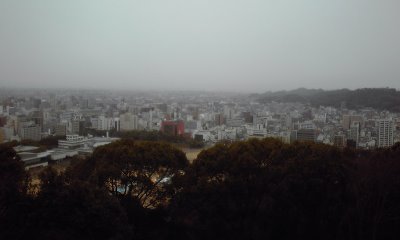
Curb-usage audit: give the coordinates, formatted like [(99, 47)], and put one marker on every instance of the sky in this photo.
[(212, 45)]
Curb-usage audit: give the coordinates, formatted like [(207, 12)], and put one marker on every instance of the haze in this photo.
[(214, 45)]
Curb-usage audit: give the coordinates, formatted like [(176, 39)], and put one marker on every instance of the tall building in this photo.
[(128, 121), (348, 121), (61, 129), (77, 127), (37, 117), (31, 131), (105, 123), (385, 133), (308, 135), (116, 124), (219, 119), (175, 128), (248, 117), (354, 132), (228, 112)]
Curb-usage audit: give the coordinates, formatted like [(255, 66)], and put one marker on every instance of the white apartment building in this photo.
[(385, 133)]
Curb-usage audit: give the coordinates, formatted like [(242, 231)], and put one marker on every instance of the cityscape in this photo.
[(200, 119), (205, 117)]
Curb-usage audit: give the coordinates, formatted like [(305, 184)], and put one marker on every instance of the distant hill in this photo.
[(377, 98)]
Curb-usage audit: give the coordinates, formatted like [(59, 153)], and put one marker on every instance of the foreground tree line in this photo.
[(145, 135), (258, 189)]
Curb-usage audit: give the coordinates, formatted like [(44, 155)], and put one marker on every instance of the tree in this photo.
[(74, 210), (262, 189), (374, 209), (139, 169), (13, 187)]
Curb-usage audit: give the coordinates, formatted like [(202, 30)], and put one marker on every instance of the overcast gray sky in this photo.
[(231, 45)]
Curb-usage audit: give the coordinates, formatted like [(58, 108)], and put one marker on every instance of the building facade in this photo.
[(128, 122), (385, 133)]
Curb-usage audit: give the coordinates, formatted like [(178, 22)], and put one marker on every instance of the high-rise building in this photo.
[(385, 133), (348, 120), (219, 119), (128, 121), (77, 127), (31, 131), (248, 117), (105, 123), (61, 129), (175, 128), (37, 117), (309, 135), (228, 112), (354, 132)]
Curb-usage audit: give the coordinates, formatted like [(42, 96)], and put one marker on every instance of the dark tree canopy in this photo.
[(12, 173), (255, 189), (13, 187), (75, 210), (139, 169), (377, 98), (264, 189)]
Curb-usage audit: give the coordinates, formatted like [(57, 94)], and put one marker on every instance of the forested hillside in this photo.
[(377, 98)]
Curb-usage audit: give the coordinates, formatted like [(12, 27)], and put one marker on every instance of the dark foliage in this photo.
[(139, 169), (43, 144), (13, 186), (196, 144), (258, 189), (74, 210), (263, 189), (140, 135), (377, 98), (50, 142)]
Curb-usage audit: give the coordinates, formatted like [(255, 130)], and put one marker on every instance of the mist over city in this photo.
[(220, 45), (189, 119)]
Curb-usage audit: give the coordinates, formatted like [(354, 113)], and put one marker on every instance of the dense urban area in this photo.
[(200, 120), (97, 164), (81, 120)]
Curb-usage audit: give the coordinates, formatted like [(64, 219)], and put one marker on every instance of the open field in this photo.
[(191, 154)]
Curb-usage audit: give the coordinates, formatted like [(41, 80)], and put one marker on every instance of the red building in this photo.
[(175, 128)]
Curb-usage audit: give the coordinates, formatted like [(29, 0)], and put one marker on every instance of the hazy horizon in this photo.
[(250, 46), (211, 91)]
